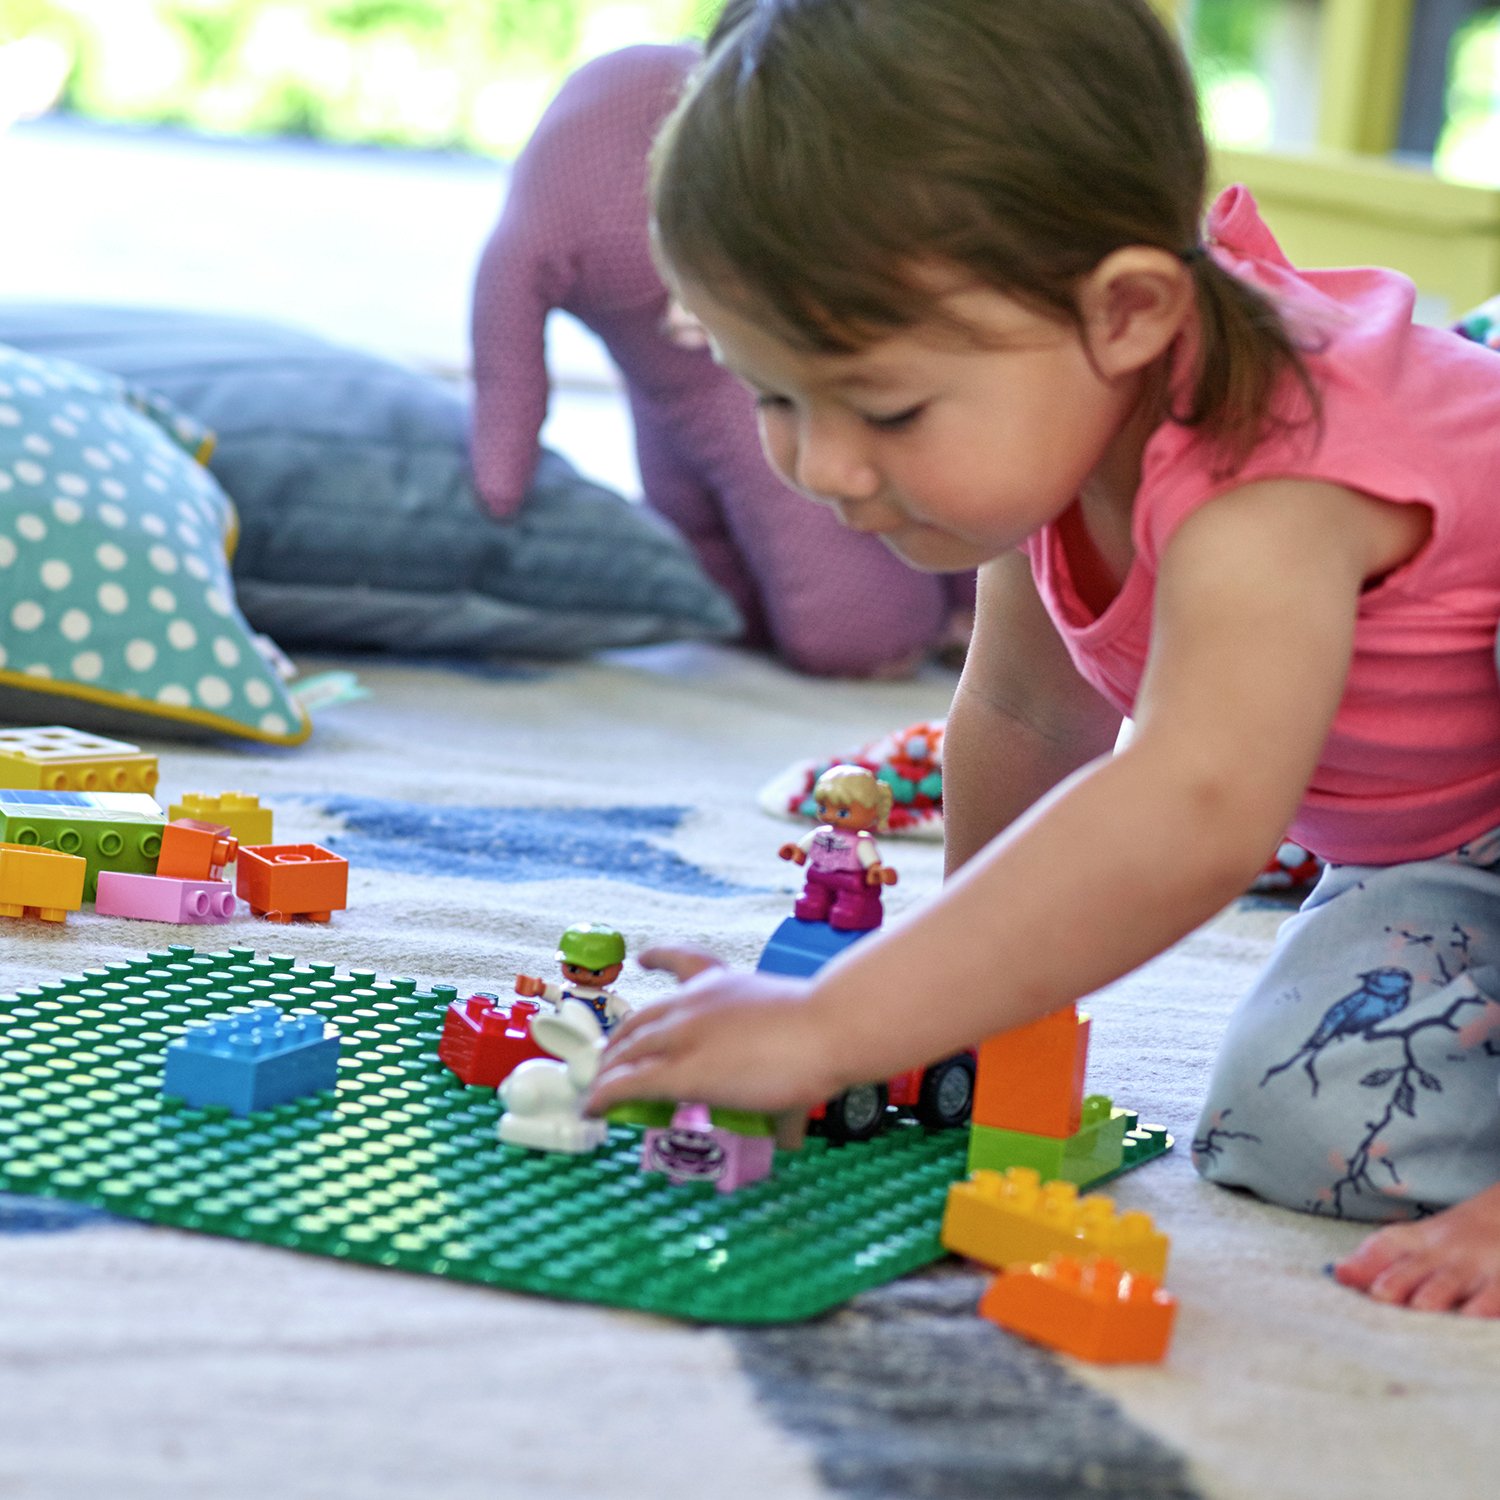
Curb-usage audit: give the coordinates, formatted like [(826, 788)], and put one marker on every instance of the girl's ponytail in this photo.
[(1245, 349)]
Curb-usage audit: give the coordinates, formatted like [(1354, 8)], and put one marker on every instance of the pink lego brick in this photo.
[(163, 898), (692, 1149)]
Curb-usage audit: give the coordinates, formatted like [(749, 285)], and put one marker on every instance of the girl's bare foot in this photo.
[(1448, 1263)]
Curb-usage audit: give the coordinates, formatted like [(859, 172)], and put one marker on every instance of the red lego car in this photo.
[(940, 1096)]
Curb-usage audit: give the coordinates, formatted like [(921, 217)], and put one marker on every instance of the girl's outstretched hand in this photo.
[(732, 1038)]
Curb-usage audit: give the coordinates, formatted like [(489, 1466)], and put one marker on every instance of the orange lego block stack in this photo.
[(191, 850), (1031, 1078), (1091, 1309), (999, 1218)]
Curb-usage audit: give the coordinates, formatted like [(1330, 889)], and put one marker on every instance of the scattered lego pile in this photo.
[(79, 822)]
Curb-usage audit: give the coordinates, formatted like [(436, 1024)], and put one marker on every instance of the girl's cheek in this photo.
[(779, 444)]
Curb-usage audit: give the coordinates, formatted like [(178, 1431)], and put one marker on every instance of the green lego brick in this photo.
[(1095, 1154), (105, 838), (400, 1165), (657, 1114)]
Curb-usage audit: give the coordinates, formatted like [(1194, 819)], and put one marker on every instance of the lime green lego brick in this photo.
[(105, 840), (1094, 1155), (400, 1166), (996, 1150), (651, 1114), (656, 1114)]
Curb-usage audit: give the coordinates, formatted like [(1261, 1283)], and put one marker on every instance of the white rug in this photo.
[(145, 1362)]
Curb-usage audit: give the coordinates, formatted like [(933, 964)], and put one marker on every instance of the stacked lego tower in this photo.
[(1030, 1109), (1073, 1274)]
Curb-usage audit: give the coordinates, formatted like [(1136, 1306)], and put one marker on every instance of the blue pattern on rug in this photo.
[(20, 1214), (516, 844)]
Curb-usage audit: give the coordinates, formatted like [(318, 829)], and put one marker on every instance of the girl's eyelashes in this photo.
[(897, 420), (893, 423)]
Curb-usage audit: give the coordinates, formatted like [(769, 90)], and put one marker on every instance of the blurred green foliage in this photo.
[(471, 74)]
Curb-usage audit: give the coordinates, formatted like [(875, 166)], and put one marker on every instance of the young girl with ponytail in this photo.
[(960, 253)]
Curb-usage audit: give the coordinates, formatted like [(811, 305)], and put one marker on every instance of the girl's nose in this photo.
[(832, 467)]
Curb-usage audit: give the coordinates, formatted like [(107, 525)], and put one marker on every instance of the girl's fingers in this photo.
[(683, 963), (791, 1129), (628, 1082), (628, 1025), (641, 1034)]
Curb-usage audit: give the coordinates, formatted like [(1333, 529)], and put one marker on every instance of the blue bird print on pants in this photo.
[(1382, 994)]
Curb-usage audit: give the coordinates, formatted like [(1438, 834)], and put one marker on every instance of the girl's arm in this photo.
[(1253, 630), (1022, 719)]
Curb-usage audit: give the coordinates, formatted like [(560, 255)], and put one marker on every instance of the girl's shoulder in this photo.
[(1405, 412)]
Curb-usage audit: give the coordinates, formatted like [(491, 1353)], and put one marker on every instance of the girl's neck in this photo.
[(1097, 528), (1108, 494)]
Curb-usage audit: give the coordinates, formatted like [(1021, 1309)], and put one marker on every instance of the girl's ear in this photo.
[(1133, 304)]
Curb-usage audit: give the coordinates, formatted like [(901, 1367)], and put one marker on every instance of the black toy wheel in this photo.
[(856, 1114), (947, 1095)]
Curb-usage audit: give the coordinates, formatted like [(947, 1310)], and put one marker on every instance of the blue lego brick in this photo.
[(801, 948), (252, 1060), (141, 803)]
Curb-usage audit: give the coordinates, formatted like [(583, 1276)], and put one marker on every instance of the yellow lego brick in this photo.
[(54, 758), (999, 1218), (42, 880), (239, 812)]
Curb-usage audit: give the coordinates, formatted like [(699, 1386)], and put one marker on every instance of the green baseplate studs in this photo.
[(400, 1165)]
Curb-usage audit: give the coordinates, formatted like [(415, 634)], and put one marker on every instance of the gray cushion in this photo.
[(359, 526)]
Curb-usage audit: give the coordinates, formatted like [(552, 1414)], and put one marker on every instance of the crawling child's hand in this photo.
[(731, 1038)]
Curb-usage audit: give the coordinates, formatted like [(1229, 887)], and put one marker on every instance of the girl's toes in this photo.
[(1396, 1283), (1372, 1256), (1485, 1303), (1444, 1290)]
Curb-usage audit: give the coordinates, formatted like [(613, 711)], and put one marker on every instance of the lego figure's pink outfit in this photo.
[(836, 891), (1358, 1076)]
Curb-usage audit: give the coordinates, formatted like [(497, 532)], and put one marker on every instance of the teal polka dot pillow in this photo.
[(114, 574)]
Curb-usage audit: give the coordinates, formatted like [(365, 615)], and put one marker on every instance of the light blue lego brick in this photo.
[(252, 1060), (801, 948)]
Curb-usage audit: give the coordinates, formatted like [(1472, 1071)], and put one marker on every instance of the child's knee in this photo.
[(1376, 1104)]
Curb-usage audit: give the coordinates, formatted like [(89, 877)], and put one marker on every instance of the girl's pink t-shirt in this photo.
[(1411, 766)]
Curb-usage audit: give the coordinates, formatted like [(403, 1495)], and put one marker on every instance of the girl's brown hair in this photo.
[(827, 147)]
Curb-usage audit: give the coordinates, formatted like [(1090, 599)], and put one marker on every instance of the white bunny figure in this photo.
[(543, 1099)]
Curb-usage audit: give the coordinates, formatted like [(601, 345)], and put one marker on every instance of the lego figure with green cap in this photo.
[(591, 956)]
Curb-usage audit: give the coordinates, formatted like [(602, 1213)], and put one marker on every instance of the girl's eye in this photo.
[(772, 403), (897, 420)]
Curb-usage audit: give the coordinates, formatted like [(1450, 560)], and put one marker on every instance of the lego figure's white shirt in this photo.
[(607, 1004)]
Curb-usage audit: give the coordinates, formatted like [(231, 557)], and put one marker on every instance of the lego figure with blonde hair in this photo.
[(845, 875)]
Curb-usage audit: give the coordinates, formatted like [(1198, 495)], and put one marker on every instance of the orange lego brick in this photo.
[(1000, 1218), (1091, 1309), (44, 881), (54, 758), (191, 850), (1031, 1078), (282, 881), (239, 812)]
